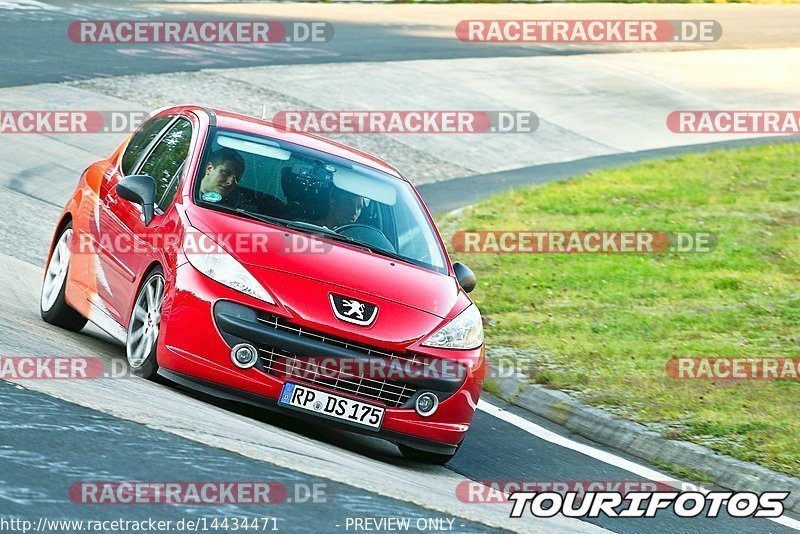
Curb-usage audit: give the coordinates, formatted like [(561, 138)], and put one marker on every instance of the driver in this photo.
[(223, 173), (344, 208)]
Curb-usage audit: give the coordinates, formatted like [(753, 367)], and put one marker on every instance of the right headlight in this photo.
[(210, 259), (465, 331)]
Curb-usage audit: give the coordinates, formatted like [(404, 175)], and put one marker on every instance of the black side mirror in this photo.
[(139, 189), (466, 278)]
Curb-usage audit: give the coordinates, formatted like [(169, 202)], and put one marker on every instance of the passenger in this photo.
[(344, 208)]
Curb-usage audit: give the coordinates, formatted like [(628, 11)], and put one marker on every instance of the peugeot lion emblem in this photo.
[(353, 310)]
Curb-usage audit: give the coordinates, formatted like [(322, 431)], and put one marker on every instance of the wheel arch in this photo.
[(153, 265), (148, 367), (66, 218)]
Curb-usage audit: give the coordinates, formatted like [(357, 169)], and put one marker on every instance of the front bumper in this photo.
[(204, 319)]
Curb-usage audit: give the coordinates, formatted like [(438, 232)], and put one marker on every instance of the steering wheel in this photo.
[(366, 234)]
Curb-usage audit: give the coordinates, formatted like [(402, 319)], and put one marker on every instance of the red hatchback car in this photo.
[(276, 268)]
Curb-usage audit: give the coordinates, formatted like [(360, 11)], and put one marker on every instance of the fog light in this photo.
[(426, 404), (244, 355)]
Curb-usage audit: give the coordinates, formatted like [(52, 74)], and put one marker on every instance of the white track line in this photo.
[(597, 454)]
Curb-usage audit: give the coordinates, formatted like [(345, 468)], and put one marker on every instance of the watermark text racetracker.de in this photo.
[(210, 492), (588, 31), (733, 368), (197, 243), (497, 491), (407, 121), (581, 242), (33, 121), (105, 526), (734, 122), (307, 367), (198, 32), (60, 368)]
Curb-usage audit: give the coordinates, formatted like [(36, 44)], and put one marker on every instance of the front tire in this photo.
[(417, 455), (53, 305), (144, 326)]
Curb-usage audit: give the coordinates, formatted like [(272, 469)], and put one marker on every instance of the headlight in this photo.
[(465, 331), (209, 258)]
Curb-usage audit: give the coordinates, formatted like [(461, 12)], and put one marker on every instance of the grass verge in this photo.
[(590, 1), (604, 326)]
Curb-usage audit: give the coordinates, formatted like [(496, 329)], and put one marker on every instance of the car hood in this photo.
[(262, 248)]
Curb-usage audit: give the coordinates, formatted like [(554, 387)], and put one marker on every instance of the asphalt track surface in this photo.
[(48, 55), (51, 437), (37, 49), (448, 195)]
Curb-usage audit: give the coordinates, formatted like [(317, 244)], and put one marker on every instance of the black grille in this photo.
[(393, 393)]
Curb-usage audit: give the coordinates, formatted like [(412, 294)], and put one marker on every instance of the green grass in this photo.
[(684, 473), (591, 1), (605, 325)]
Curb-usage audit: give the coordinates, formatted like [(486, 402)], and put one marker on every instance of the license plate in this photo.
[(331, 406)]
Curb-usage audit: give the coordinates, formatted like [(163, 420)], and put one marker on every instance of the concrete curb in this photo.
[(636, 440)]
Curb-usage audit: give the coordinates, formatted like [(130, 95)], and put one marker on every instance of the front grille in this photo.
[(393, 393)]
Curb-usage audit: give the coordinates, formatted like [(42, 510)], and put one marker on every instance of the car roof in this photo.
[(235, 121)]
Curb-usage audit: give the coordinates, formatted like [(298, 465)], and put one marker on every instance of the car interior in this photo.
[(298, 186)]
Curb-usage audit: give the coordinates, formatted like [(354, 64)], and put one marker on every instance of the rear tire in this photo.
[(53, 305), (416, 455), (145, 325)]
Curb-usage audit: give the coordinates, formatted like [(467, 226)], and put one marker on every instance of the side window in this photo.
[(169, 195), (140, 142), (165, 162)]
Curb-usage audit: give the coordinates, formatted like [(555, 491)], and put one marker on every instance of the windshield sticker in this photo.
[(212, 197)]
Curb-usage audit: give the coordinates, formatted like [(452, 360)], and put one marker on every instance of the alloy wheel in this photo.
[(56, 273), (145, 321)]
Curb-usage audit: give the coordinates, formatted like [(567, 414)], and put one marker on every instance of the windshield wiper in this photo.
[(314, 229), (261, 217), (384, 252), (327, 232)]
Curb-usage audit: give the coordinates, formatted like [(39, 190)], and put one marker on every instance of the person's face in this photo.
[(345, 208), (222, 178)]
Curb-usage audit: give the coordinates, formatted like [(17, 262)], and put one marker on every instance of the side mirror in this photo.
[(465, 276), (139, 189)]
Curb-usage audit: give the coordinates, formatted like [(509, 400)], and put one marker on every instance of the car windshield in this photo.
[(317, 193)]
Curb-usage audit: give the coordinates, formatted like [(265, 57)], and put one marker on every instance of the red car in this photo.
[(244, 260)]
